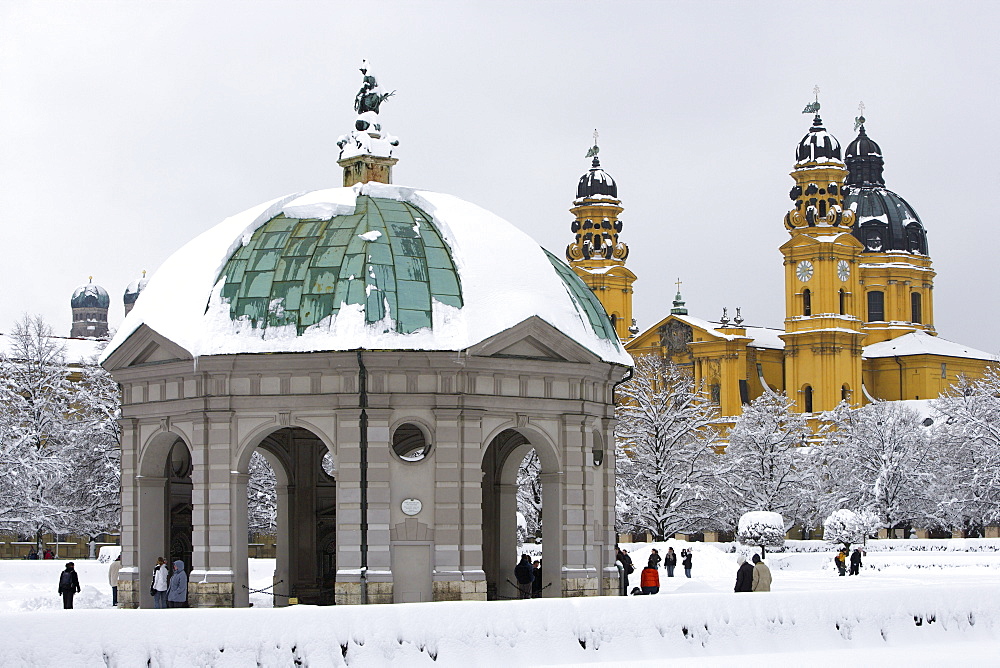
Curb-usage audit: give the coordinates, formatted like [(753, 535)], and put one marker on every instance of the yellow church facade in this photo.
[(859, 313)]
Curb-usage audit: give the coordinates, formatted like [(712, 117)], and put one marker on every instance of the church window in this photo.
[(716, 393), (822, 208), (845, 392), (843, 302), (876, 306), (944, 371), (614, 320), (806, 302), (916, 314), (409, 443), (807, 398)]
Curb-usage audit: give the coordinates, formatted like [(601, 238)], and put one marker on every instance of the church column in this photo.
[(553, 534)]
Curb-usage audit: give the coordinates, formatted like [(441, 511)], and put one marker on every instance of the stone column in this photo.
[(348, 588), (458, 549), (579, 570), (507, 546), (130, 576), (212, 582), (239, 528), (283, 551), (552, 533), (151, 534)]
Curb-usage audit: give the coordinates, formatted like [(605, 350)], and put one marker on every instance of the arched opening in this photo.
[(303, 507), (514, 469), (843, 301), (164, 501), (845, 392), (807, 398), (916, 312), (876, 306), (806, 302)]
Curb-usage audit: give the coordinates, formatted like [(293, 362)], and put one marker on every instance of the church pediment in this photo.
[(144, 347), (844, 238), (533, 339)]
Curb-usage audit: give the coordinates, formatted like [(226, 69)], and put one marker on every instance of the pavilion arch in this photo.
[(502, 457), (306, 516), (156, 449)]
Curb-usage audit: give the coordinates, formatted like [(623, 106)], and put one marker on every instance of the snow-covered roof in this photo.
[(763, 337), (78, 351), (505, 278), (922, 343)]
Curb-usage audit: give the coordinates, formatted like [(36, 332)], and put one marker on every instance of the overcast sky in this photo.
[(127, 128)]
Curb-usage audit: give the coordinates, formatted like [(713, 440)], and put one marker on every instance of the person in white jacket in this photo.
[(116, 566), (159, 586)]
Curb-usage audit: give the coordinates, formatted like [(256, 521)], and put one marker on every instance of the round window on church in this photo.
[(409, 443)]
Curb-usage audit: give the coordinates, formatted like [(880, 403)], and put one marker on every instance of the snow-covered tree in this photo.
[(59, 448), (529, 495), (846, 527), (664, 450), (760, 528), (967, 484), (881, 459), (262, 500), (759, 469)]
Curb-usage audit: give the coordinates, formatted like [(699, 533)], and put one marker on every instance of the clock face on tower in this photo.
[(843, 270), (804, 270)]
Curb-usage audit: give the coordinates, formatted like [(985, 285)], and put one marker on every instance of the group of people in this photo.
[(841, 561), (529, 577), (169, 589), (46, 554), (752, 578), (649, 578)]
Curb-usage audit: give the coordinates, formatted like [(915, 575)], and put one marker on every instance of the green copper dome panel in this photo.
[(387, 257), (585, 299)]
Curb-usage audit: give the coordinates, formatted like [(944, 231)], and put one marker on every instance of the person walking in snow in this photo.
[(116, 566), (177, 589), (744, 575), (524, 577), (32, 553), (686, 562), (761, 575), (654, 558), (159, 586), (856, 562), (69, 585), (670, 561), (649, 579), (627, 568)]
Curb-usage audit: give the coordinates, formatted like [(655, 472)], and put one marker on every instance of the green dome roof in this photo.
[(388, 257)]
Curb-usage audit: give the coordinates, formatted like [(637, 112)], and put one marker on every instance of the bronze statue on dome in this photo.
[(369, 98)]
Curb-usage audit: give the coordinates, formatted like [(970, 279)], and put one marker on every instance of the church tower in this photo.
[(596, 254), (896, 275), (90, 305), (823, 295)]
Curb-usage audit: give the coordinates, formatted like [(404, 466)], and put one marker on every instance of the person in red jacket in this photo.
[(649, 580)]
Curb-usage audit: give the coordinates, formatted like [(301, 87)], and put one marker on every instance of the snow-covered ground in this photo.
[(907, 608)]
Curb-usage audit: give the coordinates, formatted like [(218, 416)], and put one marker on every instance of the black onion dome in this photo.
[(90, 296), (818, 145), (596, 183), (885, 221), (864, 161)]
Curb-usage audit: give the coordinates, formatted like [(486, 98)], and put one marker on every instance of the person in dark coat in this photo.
[(524, 576), (654, 558), (69, 585), (177, 589), (649, 579), (627, 565), (840, 560), (856, 562), (670, 561), (686, 562), (32, 553), (536, 584), (744, 575)]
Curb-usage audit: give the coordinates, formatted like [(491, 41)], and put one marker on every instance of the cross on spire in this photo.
[(859, 122), (678, 284), (816, 92)]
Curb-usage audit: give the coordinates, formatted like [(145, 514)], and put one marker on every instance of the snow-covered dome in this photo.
[(372, 266), (134, 288), (90, 296), (596, 183), (885, 221), (818, 145)]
